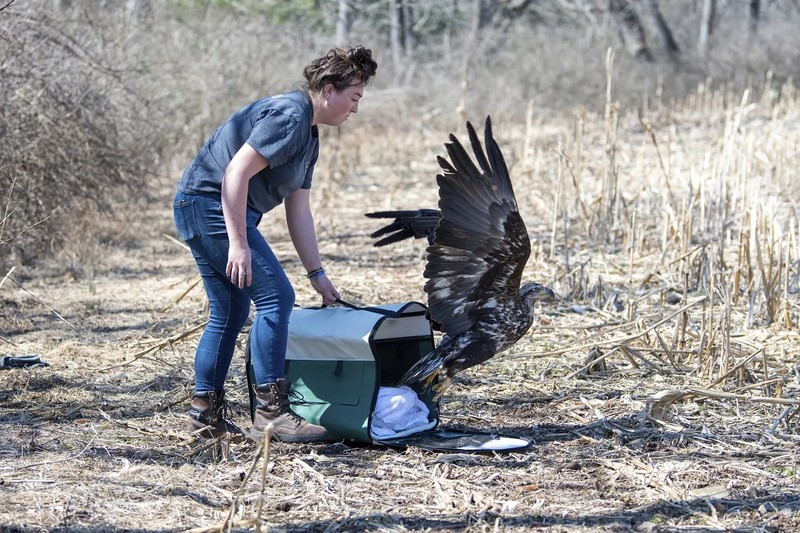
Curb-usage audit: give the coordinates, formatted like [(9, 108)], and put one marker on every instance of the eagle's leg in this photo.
[(439, 388), (429, 378)]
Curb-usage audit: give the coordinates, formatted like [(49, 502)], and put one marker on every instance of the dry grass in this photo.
[(661, 390)]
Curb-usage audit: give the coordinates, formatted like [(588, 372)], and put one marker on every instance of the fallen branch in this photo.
[(29, 293), (620, 340), (49, 463), (12, 343), (28, 228), (245, 522), (176, 241), (161, 344), (262, 450), (6, 276), (141, 429), (659, 403), (733, 396), (781, 416), (182, 295)]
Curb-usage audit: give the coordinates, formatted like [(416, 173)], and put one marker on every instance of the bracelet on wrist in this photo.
[(316, 273)]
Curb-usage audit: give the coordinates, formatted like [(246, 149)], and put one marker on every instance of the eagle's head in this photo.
[(531, 293)]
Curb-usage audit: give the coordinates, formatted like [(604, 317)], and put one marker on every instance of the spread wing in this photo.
[(481, 244)]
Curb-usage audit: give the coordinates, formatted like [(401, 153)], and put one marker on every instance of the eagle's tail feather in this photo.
[(423, 371)]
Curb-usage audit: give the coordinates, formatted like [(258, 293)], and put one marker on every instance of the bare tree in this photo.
[(663, 30), (484, 14), (344, 21), (706, 25), (408, 28), (139, 11), (449, 29), (755, 14), (630, 29), (395, 33)]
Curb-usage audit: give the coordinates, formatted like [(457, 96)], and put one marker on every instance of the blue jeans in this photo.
[(201, 225)]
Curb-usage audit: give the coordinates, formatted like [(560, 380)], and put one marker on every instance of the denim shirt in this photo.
[(277, 127)]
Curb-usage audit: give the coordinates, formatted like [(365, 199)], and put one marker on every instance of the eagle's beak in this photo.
[(543, 294)]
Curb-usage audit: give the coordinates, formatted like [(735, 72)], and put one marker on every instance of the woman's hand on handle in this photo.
[(325, 288)]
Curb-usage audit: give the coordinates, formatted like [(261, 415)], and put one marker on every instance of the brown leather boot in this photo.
[(274, 414), (208, 417)]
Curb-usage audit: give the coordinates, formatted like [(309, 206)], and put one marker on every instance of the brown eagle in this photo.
[(478, 249)]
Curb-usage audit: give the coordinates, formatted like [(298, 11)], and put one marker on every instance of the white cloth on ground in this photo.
[(399, 412)]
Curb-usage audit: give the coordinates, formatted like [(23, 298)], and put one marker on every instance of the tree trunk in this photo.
[(630, 29), (449, 28), (484, 13), (706, 25), (395, 36), (408, 28), (663, 30), (344, 21), (755, 14), (139, 11)]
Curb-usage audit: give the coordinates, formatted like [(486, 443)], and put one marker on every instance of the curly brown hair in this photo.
[(340, 67)]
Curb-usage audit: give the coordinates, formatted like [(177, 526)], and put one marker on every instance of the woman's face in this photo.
[(337, 104)]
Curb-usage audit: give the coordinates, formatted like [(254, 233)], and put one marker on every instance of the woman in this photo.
[(262, 156)]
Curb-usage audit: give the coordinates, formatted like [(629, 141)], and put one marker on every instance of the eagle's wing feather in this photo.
[(416, 223), (481, 244)]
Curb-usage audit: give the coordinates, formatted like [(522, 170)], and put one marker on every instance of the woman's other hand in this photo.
[(239, 269)]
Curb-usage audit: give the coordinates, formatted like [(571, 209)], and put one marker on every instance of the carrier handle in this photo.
[(378, 310)]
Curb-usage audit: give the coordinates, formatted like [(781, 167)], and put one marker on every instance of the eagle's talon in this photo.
[(439, 388)]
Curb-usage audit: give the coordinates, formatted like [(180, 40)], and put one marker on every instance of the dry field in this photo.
[(662, 390)]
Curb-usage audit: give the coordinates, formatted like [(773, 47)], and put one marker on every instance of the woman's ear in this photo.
[(328, 90)]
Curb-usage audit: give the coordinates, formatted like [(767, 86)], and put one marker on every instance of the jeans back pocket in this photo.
[(185, 221)]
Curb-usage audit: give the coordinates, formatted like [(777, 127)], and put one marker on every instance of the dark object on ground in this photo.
[(8, 362)]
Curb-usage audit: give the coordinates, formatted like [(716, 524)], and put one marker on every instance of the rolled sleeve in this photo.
[(277, 136)]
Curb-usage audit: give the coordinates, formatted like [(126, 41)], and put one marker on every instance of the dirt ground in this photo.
[(95, 442)]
